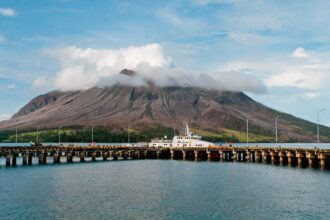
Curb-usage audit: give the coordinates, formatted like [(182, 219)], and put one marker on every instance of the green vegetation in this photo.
[(228, 135), (145, 132), (79, 134)]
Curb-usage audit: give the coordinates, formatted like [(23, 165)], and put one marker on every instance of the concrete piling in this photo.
[(196, 155), (8, 160)]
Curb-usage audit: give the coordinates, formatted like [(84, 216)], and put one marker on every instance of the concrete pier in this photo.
[(317, 158)]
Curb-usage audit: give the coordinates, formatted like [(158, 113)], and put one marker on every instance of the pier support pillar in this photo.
[(227, 156), (105, 155), (272, 159), (25, 158), (120, 154), (196, 155), (172, 154), (299, 161), (69, 158), (300, 156), (281, 155), (221, 155), (310, 162), (30, 160), (290, 155), (322, 163), (82, 156), (248, 157), (124, 155), (310, 156), (265, 155), (322, 158), (115, 155), (56, 158), (93, 156), (158, 154), (137, 153), (41, 159), (281, 160), (208, 155), (234, 157), (144, 153), (257, 157), (8, 160), (13, 162), (184, 155)]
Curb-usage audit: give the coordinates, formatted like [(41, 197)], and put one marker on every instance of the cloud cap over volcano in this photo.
[(82, 69)]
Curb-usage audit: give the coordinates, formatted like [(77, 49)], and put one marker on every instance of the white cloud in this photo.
[(295, 78), (11, 86), (86, 68), (312, 95), (300, 53), (42, 82), (306, 75), (2, 39), (172, 18), (248, 38), (206, 2), (8, 12), (4, 117)]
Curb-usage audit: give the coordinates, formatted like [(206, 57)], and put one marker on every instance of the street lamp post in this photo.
[(247, 127), (37, 134), (318, 124), (92, 133), (16, 135), (59, 135), (276, 134), (247, 131), (128, 134)]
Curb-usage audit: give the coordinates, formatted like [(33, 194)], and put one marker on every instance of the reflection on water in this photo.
[(156, 189)]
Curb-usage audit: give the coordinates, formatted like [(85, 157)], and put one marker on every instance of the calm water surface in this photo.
[(156, 189)]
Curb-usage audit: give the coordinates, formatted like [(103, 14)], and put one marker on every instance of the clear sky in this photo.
[(276, 51)]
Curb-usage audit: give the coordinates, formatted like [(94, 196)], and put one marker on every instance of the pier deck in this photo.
[(318, 158)]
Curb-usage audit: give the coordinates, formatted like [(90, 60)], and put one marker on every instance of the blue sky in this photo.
[(276, 51)]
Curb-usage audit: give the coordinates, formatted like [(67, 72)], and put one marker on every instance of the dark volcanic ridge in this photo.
[(119, 105)]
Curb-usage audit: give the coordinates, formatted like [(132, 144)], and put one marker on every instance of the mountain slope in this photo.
[(117, 106)]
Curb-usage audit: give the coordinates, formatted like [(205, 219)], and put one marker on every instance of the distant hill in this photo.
[(211, 113)]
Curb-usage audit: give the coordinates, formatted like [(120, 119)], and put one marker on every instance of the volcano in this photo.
[(119, 105)]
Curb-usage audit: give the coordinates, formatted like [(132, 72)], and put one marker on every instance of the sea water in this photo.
[(163, 189)]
